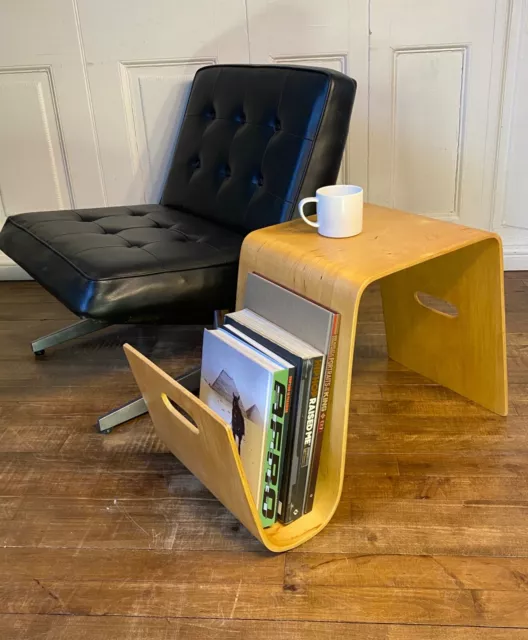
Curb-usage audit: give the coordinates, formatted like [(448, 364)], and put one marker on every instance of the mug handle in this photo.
[(301, 205)]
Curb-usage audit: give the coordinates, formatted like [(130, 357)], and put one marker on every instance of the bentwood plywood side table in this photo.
[(463, 349)]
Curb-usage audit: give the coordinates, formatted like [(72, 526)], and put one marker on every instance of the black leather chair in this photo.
[(253, 142)]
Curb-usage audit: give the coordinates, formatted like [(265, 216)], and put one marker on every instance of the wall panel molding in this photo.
[(335, 61), (89, 97), (414, 168), (29, 107), (506, 206), (154, 94), (2, 210)]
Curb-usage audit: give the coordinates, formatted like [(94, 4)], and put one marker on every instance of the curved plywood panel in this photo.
[(409, 254)]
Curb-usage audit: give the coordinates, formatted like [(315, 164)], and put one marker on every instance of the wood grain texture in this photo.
[(465, 353), (110, 537)]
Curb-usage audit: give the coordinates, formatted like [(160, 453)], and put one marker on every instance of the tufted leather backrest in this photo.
[(256, 139)]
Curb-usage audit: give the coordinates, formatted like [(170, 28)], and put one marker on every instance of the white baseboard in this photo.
[(516, 258), (9, 270)]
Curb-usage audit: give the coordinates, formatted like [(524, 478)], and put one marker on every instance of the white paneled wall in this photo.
[(92, 93), (511, 195), (433, 106), (48, 147), (141, 57)]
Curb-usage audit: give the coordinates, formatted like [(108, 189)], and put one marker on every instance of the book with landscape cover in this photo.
[(281, 430), (313, 323), (248, 390), (306, 389)]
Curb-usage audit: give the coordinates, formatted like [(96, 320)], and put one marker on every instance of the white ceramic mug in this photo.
[(339, 210)]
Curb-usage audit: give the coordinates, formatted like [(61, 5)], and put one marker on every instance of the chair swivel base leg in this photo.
[(127, 412), (138, 407), (81, 328)]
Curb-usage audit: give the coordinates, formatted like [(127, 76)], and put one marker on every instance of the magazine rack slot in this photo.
[(209, 451)]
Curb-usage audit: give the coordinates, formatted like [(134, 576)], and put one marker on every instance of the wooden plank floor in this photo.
[(108, 537)]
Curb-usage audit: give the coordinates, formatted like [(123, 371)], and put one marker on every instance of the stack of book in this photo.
[(268, 373)]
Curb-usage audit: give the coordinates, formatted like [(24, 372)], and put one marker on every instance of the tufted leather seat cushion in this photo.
[(88, 258), (253, 141), (257, 139)]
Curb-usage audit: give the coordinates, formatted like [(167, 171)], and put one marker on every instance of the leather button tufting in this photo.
[(277, 126), (195, 164)]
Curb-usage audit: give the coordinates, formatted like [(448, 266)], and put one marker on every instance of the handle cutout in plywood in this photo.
[(180, 413), (438, 305)]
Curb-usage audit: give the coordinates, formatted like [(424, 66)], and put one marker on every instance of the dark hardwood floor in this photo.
[(109, 537)]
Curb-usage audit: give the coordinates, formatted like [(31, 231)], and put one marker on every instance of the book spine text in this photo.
[(273, 451), (323, 412)]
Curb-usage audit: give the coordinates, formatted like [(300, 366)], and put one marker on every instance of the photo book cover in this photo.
[(237, 389)]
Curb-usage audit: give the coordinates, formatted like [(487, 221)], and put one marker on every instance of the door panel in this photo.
[(155, 99), (515, 214), (426, 129), (141, 59), (48, 150), (33, 168), (511, 212), (431, 65)]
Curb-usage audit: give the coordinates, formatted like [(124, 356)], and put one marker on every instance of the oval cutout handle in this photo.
[(438, 305), (178, 413)]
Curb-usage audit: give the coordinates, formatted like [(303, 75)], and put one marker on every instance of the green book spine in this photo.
[(274, 445)]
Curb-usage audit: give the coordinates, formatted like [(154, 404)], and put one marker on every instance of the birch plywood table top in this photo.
[(391, 240)]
